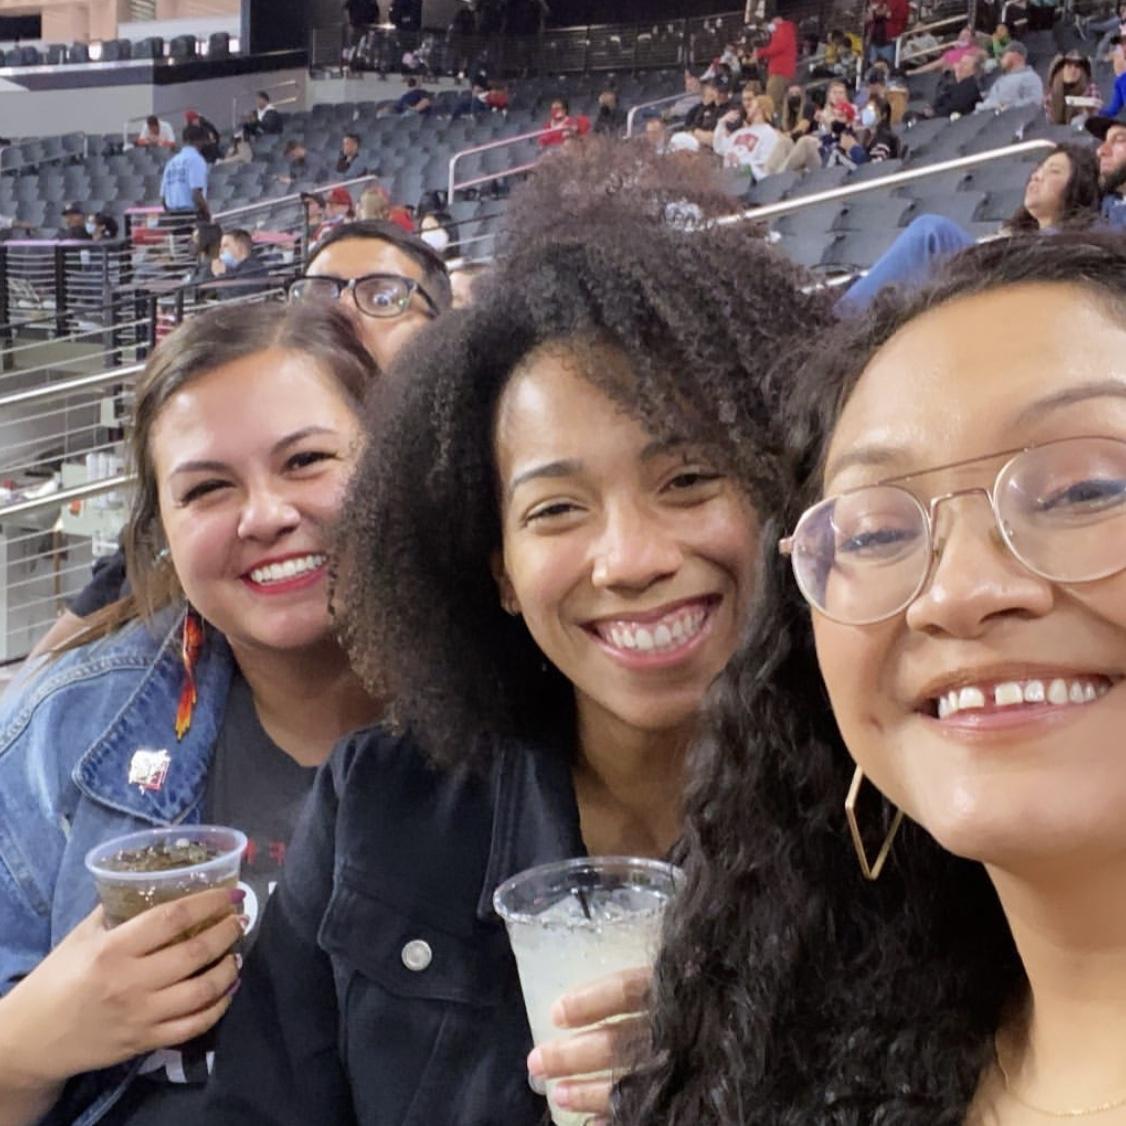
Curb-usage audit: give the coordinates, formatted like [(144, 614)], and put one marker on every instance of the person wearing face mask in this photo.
[(238, 264), (433, 232), (74, 224), (905, 839), (571, 566), (210, 694)]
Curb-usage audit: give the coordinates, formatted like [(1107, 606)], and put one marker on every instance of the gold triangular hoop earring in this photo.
[(871, 870)]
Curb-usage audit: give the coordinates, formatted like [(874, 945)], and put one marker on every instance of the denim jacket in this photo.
[(68, 732)]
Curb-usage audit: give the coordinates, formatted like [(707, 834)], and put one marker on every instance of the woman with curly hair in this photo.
[(962, 547), (546, 561)]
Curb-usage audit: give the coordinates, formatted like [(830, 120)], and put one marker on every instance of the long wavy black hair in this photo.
[(1080, 195), (700, 317), (790, 991)]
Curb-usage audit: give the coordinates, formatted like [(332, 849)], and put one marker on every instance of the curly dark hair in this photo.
[(698, 315), (1081, 195), (790, 991)]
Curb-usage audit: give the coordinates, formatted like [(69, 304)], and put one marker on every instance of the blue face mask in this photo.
[(228, 259)]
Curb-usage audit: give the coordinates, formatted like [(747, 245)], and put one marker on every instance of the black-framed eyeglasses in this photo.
[(865, 555), (376, 295)]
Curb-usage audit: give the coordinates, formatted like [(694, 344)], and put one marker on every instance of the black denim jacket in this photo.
[(343, 1015)]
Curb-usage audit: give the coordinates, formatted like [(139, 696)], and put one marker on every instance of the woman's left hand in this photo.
[(598, 1047)]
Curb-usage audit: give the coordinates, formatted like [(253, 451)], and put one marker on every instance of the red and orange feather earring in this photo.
[(191, 645)]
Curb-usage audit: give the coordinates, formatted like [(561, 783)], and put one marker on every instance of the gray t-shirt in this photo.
[(253, 785)]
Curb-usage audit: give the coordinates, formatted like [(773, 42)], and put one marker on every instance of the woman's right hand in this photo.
[(104, 996)]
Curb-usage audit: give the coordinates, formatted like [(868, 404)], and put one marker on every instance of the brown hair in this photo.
[(211, 340)]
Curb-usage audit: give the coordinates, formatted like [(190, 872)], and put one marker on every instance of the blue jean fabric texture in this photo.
[(907, 262), (68, 731)]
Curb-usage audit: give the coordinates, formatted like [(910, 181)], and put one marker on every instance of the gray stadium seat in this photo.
[(859, 249), (960, 207), (218, 45)]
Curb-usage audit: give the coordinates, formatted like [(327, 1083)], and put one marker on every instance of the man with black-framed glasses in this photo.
[(391, 282)]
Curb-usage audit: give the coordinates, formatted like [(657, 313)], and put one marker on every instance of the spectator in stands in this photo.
[(884, 22), (237, 259), (1018, 85), (361, 16), (998, 42), (874, 140), (246, 429), (781, 57), (346, 163), (1110, 30), (183, 186), (842, 49), (74, 223), (472, 102), (610, 121), (986, 906), (156, 133), (339, 208), (838, 110), (414, 99), (717, 101), (102, 227), (434, 230), (390, 282), (265, 118), (1111, 153), (657, 134), (1070, 79), (692, 96), (545, 538), (376, 204), (562, 125), (746, 139), (963, 94), (297, 156), (207, 240), (965, 44), (1118, 96), (1062, 193), (212, 148), (799, 113), (314, 205)]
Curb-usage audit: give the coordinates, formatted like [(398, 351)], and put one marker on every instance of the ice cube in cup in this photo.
[(575, 921), (154, 866)]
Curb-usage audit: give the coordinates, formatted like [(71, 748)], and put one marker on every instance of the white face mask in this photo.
[(868, 116), (91, 227), (437, 238)]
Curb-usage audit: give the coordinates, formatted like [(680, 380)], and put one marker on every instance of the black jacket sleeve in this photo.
[(277, 1062)]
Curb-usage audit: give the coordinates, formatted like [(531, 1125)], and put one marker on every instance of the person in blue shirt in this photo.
[(183, 187)]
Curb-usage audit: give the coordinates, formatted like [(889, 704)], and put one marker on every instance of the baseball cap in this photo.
[(191, 116), (340, 196), (74, 209), (1100, 126), (1016, 46)]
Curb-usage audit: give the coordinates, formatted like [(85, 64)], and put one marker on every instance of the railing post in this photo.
[(7, 361), (60, 290)]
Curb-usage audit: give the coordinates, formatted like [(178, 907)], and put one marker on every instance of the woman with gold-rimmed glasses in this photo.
[(907, 898)]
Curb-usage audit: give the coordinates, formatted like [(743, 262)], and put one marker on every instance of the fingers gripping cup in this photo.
[(142, 870), (573, 922)]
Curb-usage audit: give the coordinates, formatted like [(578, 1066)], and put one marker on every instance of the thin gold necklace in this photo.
[(1081, 1112)]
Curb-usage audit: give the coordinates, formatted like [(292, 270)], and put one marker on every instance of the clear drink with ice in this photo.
[(576, 921)]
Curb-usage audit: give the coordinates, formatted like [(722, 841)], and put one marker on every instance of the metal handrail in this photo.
[(911, 32), (648, 105), (768, 211), (454, 186), (64, 496), (69, 386), (274, 86), (281, 200)]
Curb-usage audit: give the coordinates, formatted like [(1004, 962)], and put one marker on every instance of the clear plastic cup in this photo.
[(126, 892), (573, 922)]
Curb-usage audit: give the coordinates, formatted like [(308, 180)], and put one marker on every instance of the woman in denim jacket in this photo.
[(210, 695)]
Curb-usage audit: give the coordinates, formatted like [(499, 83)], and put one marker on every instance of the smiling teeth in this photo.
[(670, 633), (288, 569), (1009, 693)]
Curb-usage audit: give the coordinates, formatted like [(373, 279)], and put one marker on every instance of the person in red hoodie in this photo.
[(563, 125), (781, 57)]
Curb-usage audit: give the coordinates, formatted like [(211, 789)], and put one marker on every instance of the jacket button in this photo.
[(417, 955)]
